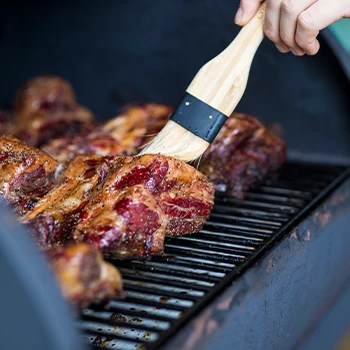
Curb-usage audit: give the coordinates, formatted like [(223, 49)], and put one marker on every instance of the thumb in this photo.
[(247, 9)]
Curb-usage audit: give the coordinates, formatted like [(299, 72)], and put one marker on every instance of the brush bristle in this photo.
[(176, 141)]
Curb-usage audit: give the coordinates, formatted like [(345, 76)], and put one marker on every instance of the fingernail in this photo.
[(239, 16)]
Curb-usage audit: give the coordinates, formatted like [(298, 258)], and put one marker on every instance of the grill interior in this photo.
[(167, 291)]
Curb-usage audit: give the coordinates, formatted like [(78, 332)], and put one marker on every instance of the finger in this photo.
[(272, 22), (246, 11), (315, 18), (290, 10), (282, 49)]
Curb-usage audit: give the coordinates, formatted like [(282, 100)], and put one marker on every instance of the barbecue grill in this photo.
[(264, 270)]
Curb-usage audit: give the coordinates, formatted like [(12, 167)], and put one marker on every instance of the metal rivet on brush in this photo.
[(187, 103), (210, 117)]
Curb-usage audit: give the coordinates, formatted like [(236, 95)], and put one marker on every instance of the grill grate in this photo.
[(167, 291)]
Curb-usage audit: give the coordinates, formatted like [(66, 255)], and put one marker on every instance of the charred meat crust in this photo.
[(54, 215), (137, 206)]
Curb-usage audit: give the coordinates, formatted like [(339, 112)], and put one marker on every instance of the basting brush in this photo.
[(211, 97)]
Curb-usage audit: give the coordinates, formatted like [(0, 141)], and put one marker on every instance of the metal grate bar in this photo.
[(189, 267), (239, 228), (165, 292), (247, 241), (167, 278), (178, 271), (115, 320), (250, 213), (284, 192), (270, 207), (208, 265), (249, 221)]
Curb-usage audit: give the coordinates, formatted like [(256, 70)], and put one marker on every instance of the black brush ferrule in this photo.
[(198, 117)]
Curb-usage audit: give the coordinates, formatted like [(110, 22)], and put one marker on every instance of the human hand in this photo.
[(293, 25)]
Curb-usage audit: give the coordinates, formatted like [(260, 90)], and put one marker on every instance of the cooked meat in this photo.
[(53, 216), (243, 154), (83, 276), (143, 199), (125, 225), (45, 108), (26, 173), (122, 135), (44, 92), (42, 126)]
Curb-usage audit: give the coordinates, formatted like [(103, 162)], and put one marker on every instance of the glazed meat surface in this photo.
[(122, 135), (243, 154), (53, 216), (83, 276), (143, 199), (45, 108), (26, 173)]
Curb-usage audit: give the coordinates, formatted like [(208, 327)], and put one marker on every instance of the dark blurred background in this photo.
[(115, 52)]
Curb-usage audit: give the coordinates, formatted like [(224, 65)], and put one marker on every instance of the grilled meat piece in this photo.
[(143, 199), (243, 154), (83, 276), (26, 173), (123, 205), (122, 135), (53, 216), (45, 108), (44, 92), (40, 127)]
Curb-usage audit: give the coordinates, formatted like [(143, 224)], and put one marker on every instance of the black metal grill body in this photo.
[(275, 298), (280, 301)]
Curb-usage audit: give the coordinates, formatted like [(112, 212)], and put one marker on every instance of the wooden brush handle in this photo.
[(222, 81)]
